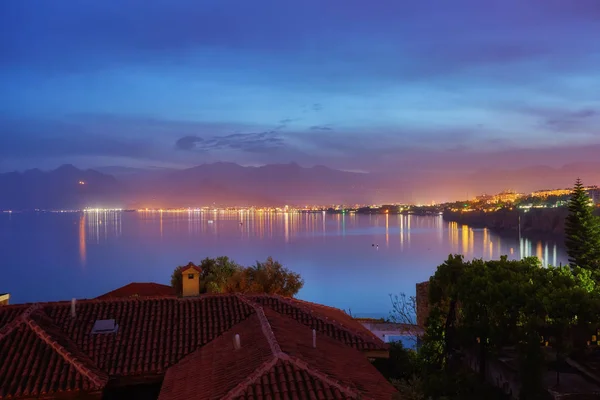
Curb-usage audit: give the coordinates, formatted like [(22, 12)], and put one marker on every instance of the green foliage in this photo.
[(223, 275), (410, 389), (582, 231), (266, 277), (177, 280), (401, 365), (481, 308), (216, 272)]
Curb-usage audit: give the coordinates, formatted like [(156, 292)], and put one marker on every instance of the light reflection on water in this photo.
[(348, 261)]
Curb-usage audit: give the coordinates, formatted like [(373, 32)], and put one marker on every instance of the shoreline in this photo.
[(539, 223)]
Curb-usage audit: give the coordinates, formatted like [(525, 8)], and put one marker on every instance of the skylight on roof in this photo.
[(105, 326)]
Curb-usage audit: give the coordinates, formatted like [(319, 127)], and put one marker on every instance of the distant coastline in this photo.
[(540, 222)]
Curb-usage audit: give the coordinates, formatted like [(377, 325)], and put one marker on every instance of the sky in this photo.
[(440, 86)]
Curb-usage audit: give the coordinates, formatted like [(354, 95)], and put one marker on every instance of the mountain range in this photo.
[(221, 184), (229, 184)]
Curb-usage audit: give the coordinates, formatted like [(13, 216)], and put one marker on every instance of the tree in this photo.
[(223, 275), (216, 272), (266, 277), (404, 311), (582, 231), (484, 307)]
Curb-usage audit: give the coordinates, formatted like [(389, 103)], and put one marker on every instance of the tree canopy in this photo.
[(480, 308), (582, 231), (223, 275)]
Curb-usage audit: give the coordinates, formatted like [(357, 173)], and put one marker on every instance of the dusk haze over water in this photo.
[(436, 99)]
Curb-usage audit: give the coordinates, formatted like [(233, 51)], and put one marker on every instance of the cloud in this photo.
[(260, 142), (52, 138), (573, 121), (320, 128), (187, 142), (561, 120), (101, 135)]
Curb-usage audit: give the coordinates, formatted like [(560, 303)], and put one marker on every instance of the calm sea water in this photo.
[(348, 261)]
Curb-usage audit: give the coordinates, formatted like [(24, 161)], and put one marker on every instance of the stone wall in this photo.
[(497, 373)]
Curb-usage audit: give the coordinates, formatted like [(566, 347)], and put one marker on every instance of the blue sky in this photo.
[(370, 86)]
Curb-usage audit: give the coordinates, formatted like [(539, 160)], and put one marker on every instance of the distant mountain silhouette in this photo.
[(63, 188), (276, 184), (222, 184), (229, 184)]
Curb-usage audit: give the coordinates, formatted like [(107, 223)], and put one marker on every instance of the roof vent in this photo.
[(314, 339), (105, 326), (236, 342)]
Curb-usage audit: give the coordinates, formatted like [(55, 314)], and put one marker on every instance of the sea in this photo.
[(350, 261)]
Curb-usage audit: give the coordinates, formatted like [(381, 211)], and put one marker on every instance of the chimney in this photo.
[(314, 339), (73, 313), (236, 342), (191, 280)]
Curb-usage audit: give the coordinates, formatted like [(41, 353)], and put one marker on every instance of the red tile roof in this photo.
[(36, 359), (276, 360), (286, 379), (139, 289), (192, 266), (154, 334), (333, 322)]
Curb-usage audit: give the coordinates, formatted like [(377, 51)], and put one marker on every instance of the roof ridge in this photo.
[(252, 378), (98, 379), (21, 318), (264, 324), (278, 354), (323, 377), (125, 299), (334, 322)]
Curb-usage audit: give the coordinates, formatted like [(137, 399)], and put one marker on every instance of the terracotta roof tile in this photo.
[(156, 333), (217, 368), (36, 358), (286, 380), (348, 368), (276, 360), (153, 333), (139, 289), (328, 320), (191, 266)]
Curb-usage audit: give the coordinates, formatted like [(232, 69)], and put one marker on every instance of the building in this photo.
[(138, 289), (190, 276), (508, 196), (207, 346), (4, 299), (594, 193), (391, 332), (422, 300)]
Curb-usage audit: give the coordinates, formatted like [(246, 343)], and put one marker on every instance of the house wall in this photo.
[(191, 287), (422, 303)]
